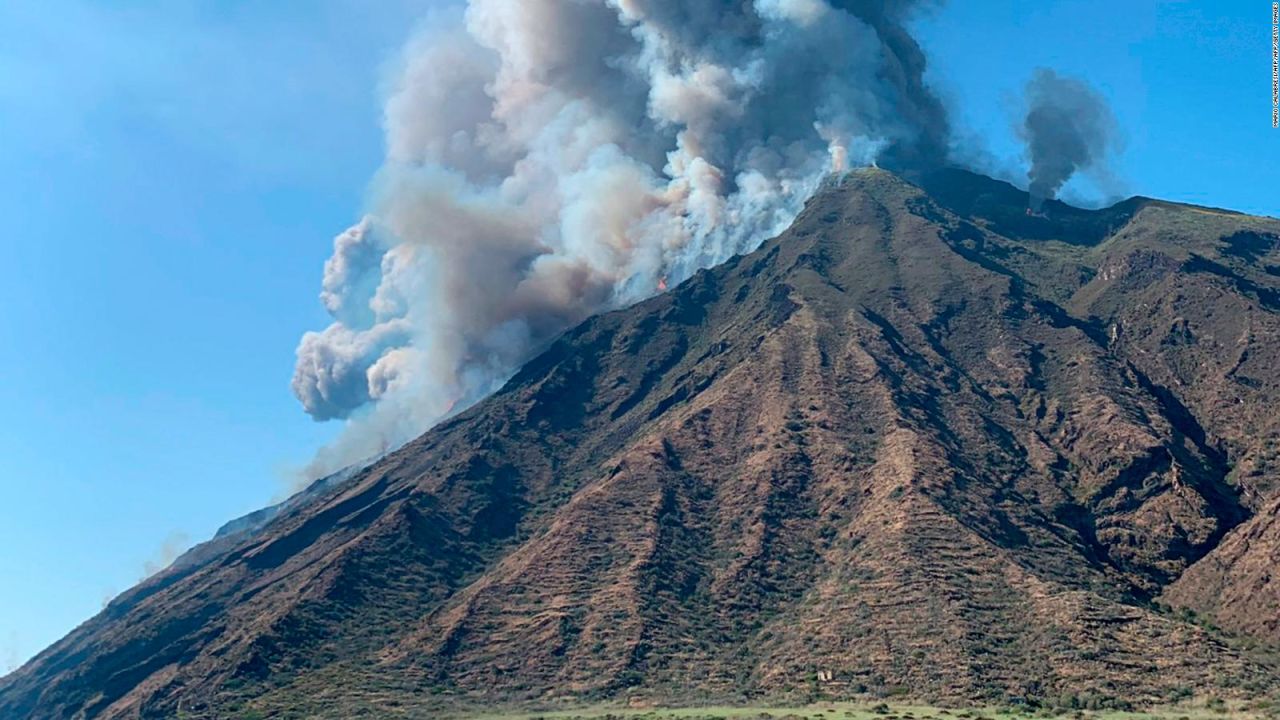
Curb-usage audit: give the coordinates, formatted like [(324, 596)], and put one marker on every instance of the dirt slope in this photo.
[(921, 442)]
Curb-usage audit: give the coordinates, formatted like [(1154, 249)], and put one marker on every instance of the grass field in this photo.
[(841, 711)]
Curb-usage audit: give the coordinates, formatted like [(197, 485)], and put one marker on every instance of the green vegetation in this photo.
[(846, 711)]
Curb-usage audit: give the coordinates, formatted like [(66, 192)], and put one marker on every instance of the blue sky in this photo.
[(1189, 82), (171, 177), (172, 174)]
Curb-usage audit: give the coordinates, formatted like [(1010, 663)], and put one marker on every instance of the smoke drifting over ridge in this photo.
[(549, 159), (1068, 127)]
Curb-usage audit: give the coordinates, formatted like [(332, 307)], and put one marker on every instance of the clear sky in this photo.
[(172, 174)]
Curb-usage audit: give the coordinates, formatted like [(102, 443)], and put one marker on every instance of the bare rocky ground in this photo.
[(921, 445)]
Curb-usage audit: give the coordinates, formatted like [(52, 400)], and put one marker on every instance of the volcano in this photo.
[(921, 444)]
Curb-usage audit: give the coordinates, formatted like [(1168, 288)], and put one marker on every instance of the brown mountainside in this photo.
[(921, 441)]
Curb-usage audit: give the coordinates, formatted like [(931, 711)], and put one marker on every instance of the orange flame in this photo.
[(662, 284)]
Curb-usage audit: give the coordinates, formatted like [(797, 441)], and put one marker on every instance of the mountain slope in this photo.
[(921, 441)]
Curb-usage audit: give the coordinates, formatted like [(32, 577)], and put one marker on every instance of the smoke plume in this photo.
[(10, 658), (1068, 127), (549, 159), (175, 543)]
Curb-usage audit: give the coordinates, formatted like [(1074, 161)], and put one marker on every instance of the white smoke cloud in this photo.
[(175, 543), (802, 12), (547, 160), (10, 657)]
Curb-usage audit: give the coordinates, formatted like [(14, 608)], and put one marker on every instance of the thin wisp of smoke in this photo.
[(547, 160), (1068, 127)]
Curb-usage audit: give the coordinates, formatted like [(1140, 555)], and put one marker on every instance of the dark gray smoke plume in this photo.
[(549, 159), (1068, 127)]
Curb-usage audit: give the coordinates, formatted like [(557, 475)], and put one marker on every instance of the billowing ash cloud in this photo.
[(1068, 127), (547, 160)]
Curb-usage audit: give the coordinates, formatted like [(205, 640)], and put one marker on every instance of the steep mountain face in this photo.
[(1237, 584), (922, 441)]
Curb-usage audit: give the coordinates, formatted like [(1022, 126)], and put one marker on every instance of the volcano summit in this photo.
[(920, 444)]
